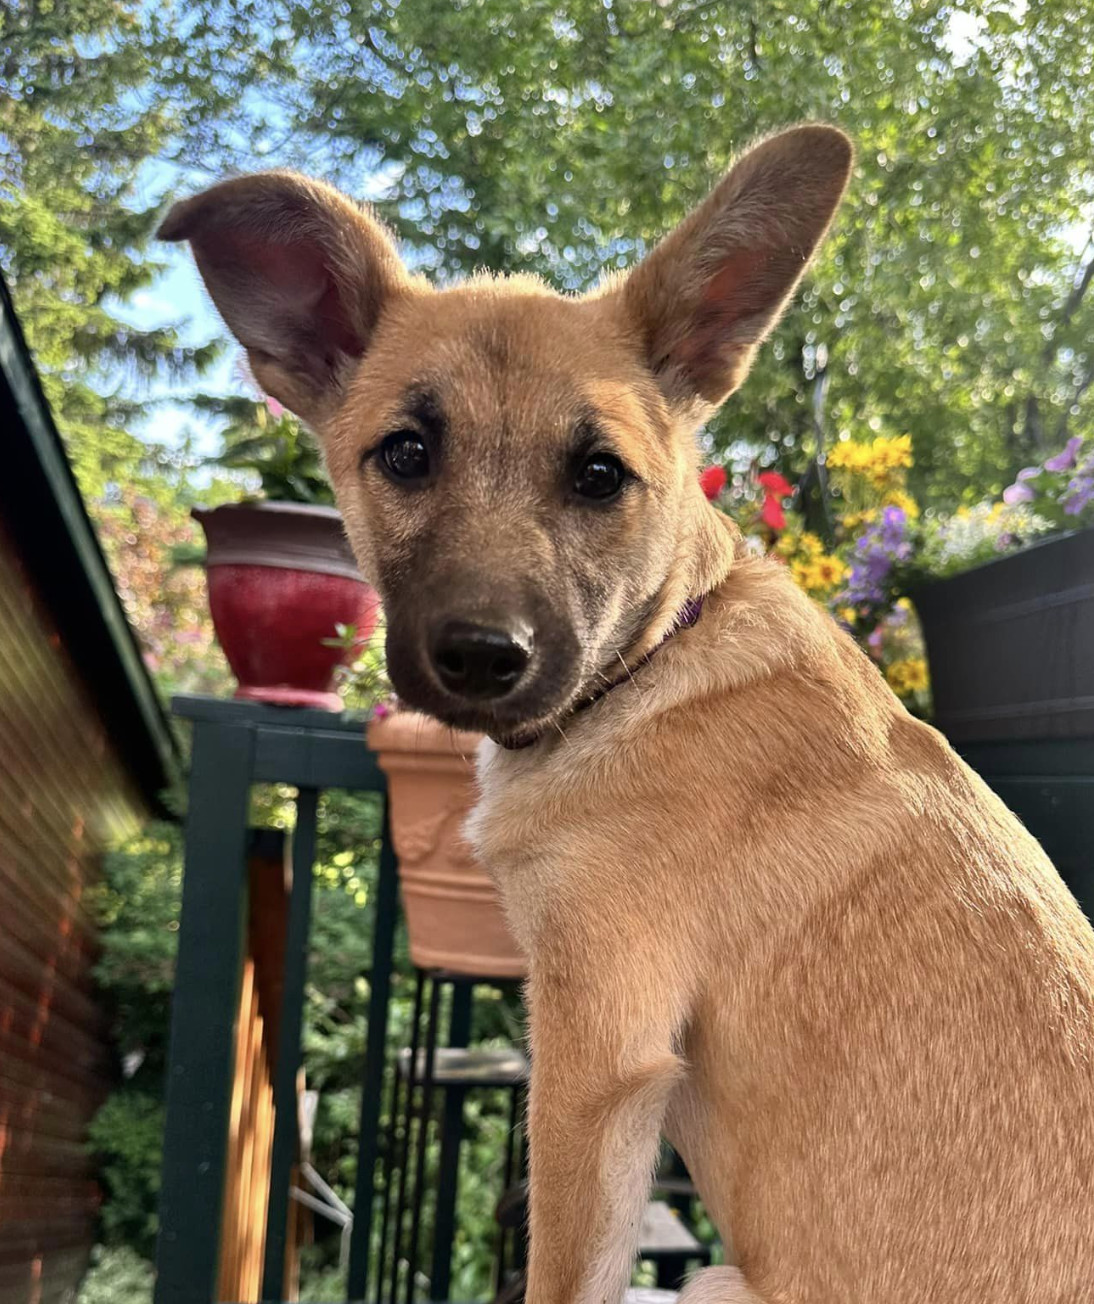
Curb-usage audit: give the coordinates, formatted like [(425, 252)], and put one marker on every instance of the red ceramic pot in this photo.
[(281, 579)]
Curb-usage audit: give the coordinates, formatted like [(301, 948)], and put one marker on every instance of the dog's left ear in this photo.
[(300, 274), (713, 289)]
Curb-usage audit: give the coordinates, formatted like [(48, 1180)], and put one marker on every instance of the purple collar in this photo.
[(687, 616)]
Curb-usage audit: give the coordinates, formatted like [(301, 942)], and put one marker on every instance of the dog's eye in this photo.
[(405, 455), (599, 477)]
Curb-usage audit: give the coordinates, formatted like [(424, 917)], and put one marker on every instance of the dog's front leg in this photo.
[(603, 1069)]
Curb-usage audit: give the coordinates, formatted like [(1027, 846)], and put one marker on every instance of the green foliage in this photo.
[(80, 121), (118, 1275), (274, 446), (562, 139), (86, 128), (137, 907), (364, 681), (320, 1281), (126, 1138)]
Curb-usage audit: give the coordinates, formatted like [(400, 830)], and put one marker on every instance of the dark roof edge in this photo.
[(42, 506)]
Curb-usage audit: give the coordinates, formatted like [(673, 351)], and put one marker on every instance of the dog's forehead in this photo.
[(510, 354)]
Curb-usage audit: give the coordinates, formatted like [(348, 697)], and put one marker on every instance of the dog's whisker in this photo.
[(630, 673)]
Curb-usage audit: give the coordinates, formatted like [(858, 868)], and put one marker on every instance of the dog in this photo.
[(767, 912)]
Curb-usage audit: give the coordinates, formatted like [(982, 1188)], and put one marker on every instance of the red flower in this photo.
[(772, 514), (712, 480), (775, 484)]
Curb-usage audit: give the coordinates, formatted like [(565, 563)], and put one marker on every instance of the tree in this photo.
[(143, 533), (96, 100), (79, 125), (562, 137)]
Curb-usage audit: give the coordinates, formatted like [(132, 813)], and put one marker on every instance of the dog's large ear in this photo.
[(711, 290), (300, 274)]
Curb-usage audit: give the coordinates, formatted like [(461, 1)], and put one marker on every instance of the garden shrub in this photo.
[(137, 906)]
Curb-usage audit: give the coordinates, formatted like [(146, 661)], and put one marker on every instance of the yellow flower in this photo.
[(853, 520), (829, 571), (811, 544), (847, 615), (847, 456), (900, 451), (818, 575), (907, 676), (876, 459), (906, 503)]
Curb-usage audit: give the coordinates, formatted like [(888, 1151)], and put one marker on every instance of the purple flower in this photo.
[(882, 543), (1078, 494), (1017, 493), (1065, 460)]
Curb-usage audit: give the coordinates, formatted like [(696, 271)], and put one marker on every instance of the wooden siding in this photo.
[(63, 796), (251, 1126)]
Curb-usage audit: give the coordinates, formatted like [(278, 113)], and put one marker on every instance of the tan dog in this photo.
[(766, 909)]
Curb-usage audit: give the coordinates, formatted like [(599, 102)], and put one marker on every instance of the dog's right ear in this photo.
[(300, 274)]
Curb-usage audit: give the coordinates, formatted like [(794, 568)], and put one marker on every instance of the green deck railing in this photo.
[(235, 746)]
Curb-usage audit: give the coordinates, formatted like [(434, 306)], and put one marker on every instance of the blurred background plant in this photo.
[(262, 438), (363, 682), (137, 908), (1061, 489), (881, 548)]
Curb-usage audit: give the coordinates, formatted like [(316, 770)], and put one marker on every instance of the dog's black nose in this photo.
[(477, 661)]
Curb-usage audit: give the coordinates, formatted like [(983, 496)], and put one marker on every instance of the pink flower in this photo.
[(274, 408), (712, 480), (1018, 493), (1065, 460)]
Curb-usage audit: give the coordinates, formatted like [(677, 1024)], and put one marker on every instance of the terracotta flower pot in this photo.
[(454, 916), (281, 579)]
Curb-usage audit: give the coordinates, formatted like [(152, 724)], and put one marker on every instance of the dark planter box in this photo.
[(1011, 644), (1011, 651)]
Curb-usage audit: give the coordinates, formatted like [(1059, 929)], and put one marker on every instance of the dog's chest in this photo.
[(521, 829)]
